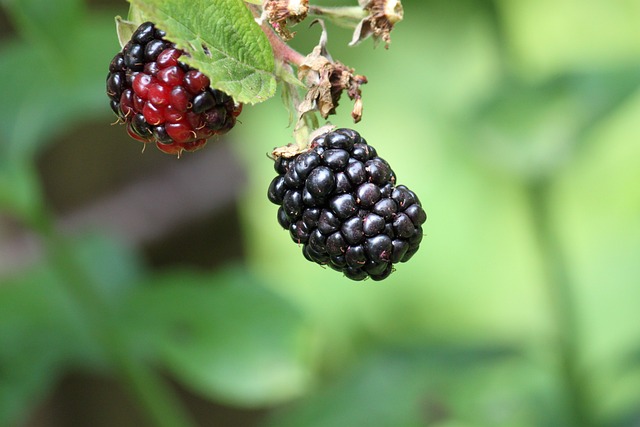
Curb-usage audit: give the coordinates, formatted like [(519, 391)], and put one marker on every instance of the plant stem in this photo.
[(153, 395), (500, 36), (281, 50), (562, 305), (351, 13), (156, 399)]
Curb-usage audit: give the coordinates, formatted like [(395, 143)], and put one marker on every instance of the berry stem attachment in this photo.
[(286, 56), (304, 128)]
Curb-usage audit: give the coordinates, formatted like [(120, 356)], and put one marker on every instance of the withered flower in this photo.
[(281, 13), (383, 15), (326, 80)]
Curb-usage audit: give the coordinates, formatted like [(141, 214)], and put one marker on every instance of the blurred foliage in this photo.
[(515, 122)]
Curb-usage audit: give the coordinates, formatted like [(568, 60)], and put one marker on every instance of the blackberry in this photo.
[(163, 100), (340, 202)]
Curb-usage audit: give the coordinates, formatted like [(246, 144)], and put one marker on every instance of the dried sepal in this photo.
[(281, 13), (382, 16), (125, 29), (292, 150), (287, 151), (326, 80)]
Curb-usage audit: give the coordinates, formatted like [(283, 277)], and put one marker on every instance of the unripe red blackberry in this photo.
[(340, 202), (163, 100)]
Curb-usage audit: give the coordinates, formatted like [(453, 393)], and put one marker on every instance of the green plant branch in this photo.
[(146, 386), (500, 36), (562, 306), (344, 16), (281, 50), (286, 57)]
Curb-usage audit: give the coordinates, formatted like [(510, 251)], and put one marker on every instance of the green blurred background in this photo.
[(141, 290)]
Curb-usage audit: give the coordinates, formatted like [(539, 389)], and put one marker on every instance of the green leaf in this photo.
[(135, 15), (50, 24), (42, 330), (414, 387), (630, 418), (111, 267), (38, 113), (225, 336), (222, 40), (534, 129), (20, 190), (25, 378), (30, 344)]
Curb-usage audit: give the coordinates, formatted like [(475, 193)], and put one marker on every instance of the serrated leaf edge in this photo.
[(260, 95)]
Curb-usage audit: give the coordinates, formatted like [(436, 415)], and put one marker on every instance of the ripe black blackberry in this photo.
[(340, 201), (163, 100)]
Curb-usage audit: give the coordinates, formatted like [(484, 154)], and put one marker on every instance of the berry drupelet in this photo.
[(163, 100), (340, 202)]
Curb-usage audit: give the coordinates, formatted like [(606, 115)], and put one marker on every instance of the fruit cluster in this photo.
[(340, 201), (163, 100)]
